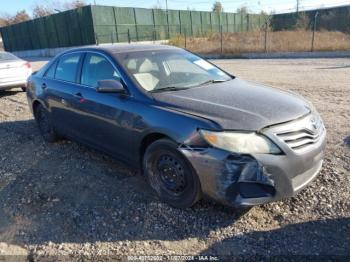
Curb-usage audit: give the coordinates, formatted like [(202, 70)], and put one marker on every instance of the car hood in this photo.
[(237, 104)]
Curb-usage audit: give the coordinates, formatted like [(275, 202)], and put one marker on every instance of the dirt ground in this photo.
[(64, 200)]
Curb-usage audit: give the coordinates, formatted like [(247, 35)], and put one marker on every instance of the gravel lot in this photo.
[(67, 200)]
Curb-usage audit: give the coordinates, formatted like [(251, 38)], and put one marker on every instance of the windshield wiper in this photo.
[(177, 88), (212, 81), (168, 88)]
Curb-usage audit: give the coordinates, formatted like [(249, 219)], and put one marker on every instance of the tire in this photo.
[(171, 175), (23, 89), (44, 122)]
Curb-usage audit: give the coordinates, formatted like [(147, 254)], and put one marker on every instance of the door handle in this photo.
[(79, 97), (43, 86)]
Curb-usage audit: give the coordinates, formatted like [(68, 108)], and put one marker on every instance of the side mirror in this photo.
[(110, 86)]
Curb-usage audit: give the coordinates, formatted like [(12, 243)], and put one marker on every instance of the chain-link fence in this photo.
[(227, 40)]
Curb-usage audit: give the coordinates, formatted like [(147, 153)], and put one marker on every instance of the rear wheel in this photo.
[(171, 175), (44, 122)]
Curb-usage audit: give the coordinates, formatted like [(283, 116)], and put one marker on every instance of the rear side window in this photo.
[(96, 68), (67, 67), (50, 73)]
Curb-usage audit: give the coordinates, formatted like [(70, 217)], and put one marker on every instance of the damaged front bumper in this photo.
[(246, 180)]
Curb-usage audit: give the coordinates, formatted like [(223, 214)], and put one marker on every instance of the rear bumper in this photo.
[(13, 84), (248, 180)]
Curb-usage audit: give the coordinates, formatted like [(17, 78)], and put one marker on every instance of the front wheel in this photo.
[(43, 120), (170, 174)]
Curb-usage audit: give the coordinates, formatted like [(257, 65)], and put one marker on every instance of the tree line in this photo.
[(43, 8)]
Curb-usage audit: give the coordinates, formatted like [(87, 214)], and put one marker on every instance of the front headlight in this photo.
[(240, 142)]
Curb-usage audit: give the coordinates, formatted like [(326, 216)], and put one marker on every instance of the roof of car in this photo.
[(120, 48)]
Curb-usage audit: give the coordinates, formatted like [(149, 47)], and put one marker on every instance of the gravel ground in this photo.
[(65, 200)]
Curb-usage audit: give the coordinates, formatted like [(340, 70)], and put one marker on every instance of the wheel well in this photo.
[(35, 105), (147, 140)]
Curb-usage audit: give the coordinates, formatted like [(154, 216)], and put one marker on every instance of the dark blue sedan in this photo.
[(193, 129)]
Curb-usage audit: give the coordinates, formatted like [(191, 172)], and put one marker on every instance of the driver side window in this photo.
[(95, 68)]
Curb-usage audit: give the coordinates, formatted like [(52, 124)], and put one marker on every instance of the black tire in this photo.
[(44, 122), (171, 175), (23, 89)]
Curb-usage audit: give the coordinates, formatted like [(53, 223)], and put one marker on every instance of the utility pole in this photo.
[(313, 32), (298, 5), (167, 16)]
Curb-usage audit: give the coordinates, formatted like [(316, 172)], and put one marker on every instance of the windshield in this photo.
[(7, 56), (169, 69)]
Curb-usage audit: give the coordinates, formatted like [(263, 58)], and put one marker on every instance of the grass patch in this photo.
[(281, 41)]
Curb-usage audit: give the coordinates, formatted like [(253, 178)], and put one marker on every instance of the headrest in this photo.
[(146, 66)]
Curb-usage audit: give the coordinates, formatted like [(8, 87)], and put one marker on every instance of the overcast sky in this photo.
[(229, 5)]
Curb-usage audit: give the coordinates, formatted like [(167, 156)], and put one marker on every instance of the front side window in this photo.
[(97, 67), (163, 69), (67, 67)]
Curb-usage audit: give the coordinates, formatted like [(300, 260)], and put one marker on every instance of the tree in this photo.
[(74, 4), (2, 22), (5, 19), (48, 7), (19, 17), (40, 11), (217, 7), (242, 10)]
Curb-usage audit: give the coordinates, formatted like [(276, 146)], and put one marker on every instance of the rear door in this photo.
[(59, 85)]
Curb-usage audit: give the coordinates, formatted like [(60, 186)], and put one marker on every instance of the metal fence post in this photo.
[(221, 40), (185, 38), (313, 32), (96, 38), (265, 41), (248, 22), (129, 36), (167, 22)]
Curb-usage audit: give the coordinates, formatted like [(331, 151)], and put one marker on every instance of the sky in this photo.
[(278, 6)]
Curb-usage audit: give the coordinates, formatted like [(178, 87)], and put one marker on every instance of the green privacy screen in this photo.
[(65, 29), (106, 24)]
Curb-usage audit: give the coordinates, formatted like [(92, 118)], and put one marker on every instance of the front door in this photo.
[(103, 117)]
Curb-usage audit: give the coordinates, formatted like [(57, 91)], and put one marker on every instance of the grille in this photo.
[(300, 134), (300, 139)]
